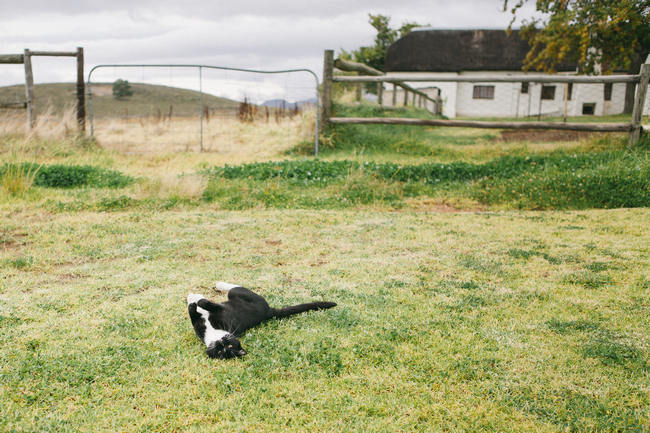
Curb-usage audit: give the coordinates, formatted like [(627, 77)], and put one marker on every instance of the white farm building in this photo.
[(451, 53)]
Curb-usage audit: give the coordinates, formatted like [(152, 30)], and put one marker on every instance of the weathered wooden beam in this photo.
[(598, 127), (16, 59), (424, 77), (18, 105), (29, 90), (81, 91), (326, 98), (639, 101), (54, 53), (349, 66)]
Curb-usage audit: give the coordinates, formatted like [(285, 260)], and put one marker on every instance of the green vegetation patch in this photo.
[(558, 180), (73, 176)]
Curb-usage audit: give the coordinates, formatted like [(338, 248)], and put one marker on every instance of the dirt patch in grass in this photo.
[(12, 241), (542, 135), (431, 205)]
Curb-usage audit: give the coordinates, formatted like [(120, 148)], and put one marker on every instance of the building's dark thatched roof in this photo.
[(459, 50)]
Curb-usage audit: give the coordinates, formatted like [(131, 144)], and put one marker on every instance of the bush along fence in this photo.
[(634, 128)]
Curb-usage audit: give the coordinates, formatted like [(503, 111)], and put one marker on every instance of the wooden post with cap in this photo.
[(326, 98), (639, 102)]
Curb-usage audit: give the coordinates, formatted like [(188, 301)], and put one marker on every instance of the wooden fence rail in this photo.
[(634, 128), (521, 78), (568, 126), (16, 59), (349, 66), (18, 105)]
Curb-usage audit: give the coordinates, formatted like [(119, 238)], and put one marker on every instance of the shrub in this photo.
[(122, 89), (67, 176)]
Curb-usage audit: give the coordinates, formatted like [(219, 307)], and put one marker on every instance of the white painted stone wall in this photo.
[(458, 100)]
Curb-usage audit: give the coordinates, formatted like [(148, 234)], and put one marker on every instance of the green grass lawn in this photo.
[(446, 322), (461, 307)]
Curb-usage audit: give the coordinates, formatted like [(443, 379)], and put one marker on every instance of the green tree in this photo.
[(600, 35), (121, 89), (374, 55)]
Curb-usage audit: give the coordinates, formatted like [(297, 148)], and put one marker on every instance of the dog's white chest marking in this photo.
[(211, 334)]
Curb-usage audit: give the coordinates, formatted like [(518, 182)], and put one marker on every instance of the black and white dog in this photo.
[(219, 325)]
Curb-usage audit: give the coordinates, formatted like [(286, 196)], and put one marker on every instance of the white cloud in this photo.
[(248, 33)]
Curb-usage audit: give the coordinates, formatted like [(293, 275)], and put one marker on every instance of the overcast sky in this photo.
[(254, 34)]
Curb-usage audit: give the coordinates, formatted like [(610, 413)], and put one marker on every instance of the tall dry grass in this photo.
[(17, 169), (48, 125), (224, 135)]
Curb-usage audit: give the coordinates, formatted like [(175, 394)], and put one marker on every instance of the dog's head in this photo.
[(228, 347)]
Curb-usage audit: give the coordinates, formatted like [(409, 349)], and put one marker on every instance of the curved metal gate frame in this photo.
[(200, 68)]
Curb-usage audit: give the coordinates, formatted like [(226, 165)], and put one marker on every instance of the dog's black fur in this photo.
[(243, 310)]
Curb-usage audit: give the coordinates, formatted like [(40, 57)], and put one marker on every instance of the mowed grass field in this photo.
[(457, 310), (446, 322)]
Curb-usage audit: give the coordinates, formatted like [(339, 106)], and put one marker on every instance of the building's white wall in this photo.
[(508, 100), (503, 104), (616, 105)]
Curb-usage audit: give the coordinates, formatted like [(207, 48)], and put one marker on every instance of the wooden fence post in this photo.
[(380, 93), (81, 91), (358, 91), (639, 101), (328, 70), (29, 89), (406, 97), (394, 95)]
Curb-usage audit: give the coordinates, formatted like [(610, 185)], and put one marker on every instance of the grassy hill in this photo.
[(147, 99)]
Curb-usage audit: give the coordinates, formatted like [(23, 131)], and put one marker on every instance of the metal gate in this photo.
[(200, 71)]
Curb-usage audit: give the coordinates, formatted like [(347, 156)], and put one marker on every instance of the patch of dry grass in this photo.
[(224, 138)]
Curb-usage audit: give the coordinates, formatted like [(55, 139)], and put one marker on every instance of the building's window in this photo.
[(548, 92), (570, 91), (588, 109), (608, 91), (524, 87), (483, 92)]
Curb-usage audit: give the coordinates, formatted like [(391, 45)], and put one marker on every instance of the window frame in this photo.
[(477, 92), (607, 91), (544, 93)]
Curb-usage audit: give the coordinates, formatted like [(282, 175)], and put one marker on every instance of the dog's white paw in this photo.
[(224, 287), (193, 297)]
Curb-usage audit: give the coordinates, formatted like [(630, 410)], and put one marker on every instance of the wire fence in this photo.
[(184, 107)]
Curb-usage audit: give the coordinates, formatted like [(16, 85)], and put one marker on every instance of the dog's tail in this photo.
[(301, 308)]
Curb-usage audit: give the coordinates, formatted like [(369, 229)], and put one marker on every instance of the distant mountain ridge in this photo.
[(284, 103)]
